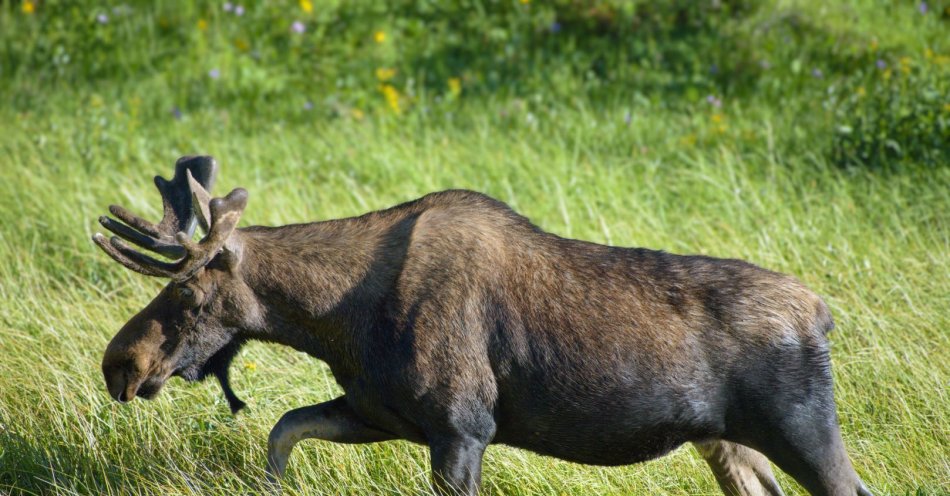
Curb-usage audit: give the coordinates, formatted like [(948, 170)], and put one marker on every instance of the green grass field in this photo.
[(723, 138)]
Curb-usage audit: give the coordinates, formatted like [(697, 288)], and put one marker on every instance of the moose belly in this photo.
[(598, 440), (614, 422), (590, 446)]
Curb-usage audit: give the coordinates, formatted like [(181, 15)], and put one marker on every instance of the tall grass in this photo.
[(750, 180)]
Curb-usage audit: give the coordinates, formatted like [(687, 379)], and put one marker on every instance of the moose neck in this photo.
[(320, 284)]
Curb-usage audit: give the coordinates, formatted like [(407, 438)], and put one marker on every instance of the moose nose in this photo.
[(120, 381)]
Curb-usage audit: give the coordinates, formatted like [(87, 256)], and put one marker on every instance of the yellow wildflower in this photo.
[(525, 2), (28, 7), (385, 73), (946, 107), (306, 6), (242, 44), (887, 75), (392, 97), (455, 86), (202, 24), (861, 91), (250, 366), (717, 118), (928, 53), (357, 114), (905, 65), (379, 36)]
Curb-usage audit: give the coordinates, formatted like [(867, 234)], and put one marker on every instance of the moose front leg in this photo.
[(333, 420), (457, 465)]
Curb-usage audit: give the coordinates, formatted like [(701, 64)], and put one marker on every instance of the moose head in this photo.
[(192, 329)]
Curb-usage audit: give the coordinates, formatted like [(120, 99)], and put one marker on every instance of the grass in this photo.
[(750, 180)]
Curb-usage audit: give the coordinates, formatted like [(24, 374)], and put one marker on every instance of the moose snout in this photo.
[(133, 364), (118, 382)]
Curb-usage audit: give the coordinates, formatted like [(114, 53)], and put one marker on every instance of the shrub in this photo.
[(899, 115)]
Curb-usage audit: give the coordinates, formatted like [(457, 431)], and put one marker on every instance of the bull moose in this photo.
[(454, 322)]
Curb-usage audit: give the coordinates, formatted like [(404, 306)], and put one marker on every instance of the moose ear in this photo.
[(200, 198), (232, 252), (225, 213)]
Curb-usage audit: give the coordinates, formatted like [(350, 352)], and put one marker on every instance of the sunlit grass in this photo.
[(875, 246), (745, 175)]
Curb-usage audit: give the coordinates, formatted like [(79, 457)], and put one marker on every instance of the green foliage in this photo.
[(298, 61), (901, 118), (494, 45)]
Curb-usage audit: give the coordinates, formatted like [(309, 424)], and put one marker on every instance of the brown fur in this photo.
[(453, 321)]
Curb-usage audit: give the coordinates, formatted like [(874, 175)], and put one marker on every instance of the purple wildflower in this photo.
[(214, 73), (298, 27), (238, 10), (308, 105), (816, 72), (765, 64), (176, 113), (714, 101), (102, 18), (881, 64), (714, 69), (555, 27), (923, 7), (228, 6)]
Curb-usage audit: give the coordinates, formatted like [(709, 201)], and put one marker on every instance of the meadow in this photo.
[(806, 138)]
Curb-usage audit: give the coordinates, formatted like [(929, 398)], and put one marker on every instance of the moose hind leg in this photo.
[(740, 471), (811, 450), (330, 421), (796, 425)]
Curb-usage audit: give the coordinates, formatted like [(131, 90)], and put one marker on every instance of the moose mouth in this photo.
[(147, 389), (150, 388)]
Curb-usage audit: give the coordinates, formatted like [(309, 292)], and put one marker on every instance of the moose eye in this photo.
[(187, 296)]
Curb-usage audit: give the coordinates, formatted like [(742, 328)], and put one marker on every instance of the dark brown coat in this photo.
[(454, 322)]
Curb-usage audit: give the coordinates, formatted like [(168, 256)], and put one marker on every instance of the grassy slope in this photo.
[(876, 246)]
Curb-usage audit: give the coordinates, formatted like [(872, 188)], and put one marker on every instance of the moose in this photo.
[(454, 322)]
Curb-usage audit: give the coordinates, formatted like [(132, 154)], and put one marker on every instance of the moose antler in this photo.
[(172, 236), (177, 206)]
